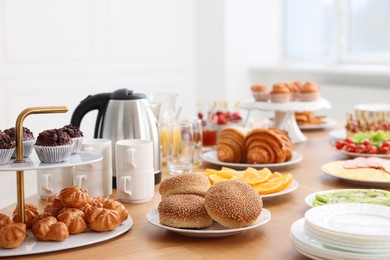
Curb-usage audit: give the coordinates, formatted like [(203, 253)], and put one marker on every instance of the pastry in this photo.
[(12, 235), (184, 211), (280, 93), (4, 220), (31, 215), (74, 220), (309, 92), (49, 229), (260, 92), (53, 146), (74, 197), (294, 90), (111, 204), (233, 204), (189, 183), (76, 135), (28, 140), (7, 147), (287, 143), (101, 219), (231, 146)]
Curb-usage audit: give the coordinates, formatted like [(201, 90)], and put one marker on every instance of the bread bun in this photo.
[(12, 235), (49, 229), (74, 197), (73, 219), (101, 219), (233, 204), (184, 211), (189, 183)]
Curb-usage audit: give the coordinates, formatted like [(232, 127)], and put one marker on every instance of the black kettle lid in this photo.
[(126, 94)]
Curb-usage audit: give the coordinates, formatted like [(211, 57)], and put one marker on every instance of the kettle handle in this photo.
[(99, 102)]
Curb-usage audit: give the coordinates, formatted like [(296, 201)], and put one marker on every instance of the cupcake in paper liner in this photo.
[(28, 140), (76, 135), (7, 147), (53, 146)]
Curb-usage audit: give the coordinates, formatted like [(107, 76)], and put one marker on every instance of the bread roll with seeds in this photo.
[(189, 183), (233, 204), (184, 211)]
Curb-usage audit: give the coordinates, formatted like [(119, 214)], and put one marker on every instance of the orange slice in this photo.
[(214, 178), (268, 187), (233, 175), (211, 171)]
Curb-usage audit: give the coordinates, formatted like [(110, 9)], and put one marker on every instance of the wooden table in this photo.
[(270, 241)]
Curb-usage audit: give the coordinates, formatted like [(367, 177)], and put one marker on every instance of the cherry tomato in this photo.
[(384, 149), (351, 148), (361, 148), (373, 150), (367, 142), (349, 140), (386, 144), (340, 145)]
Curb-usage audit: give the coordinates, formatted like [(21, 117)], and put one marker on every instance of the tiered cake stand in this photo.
[(285, 114)]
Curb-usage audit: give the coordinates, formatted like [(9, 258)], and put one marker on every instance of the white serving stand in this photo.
[(285, 114)]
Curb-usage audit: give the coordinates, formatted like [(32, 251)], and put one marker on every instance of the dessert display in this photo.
[(185, 184), (184, 211), (28, 140), (53, 146), (259, 146), (7, 147), (233, 204), (280, 93), (75, 134), (263, 181), (260, 92), (308, 118)]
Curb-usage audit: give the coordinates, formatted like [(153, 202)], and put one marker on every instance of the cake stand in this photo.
[(285, 114)]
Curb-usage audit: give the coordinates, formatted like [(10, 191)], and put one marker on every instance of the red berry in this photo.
[(200, 115)]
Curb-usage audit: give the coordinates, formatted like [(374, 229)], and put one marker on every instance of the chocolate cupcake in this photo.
[(53, 146), (76, 134), (7, 147), (28, 140)]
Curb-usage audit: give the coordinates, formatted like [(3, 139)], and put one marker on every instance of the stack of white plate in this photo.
[(344, 231)]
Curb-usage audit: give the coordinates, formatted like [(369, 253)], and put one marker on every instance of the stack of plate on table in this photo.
[(344, 231)]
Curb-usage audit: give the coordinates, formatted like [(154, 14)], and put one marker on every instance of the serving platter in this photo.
[(339, 134), (328, 122), (290, 188), (211, 157), (216, 230), (32, 246), (353, 155)]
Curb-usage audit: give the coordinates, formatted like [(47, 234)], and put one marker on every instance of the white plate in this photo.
[(339, 134), (32, 246), (290, 188), (366, 221), (329, 122), (369, 183), (313, 248), (322, 103), (33, 163), (211, 157), (363, 154), (216, 230)]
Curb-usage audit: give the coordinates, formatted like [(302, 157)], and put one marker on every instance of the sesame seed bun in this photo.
[(184, 211), (190, 183), (233, 204)]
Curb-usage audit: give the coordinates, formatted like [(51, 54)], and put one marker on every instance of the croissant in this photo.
[(74, 197), (287, 143), (231, 146), (49, 229), (111, 204), (269, 143), (31, 215), (101, 219), (74, 220), (12, 235)]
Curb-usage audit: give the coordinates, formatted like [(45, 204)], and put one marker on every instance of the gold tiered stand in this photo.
[(19, 149)]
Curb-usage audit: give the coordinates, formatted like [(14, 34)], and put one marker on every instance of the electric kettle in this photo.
[(123, 114)]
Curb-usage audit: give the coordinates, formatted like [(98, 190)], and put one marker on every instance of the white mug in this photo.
[(51, 181), (99, 146), (98, 183), (134, 170)]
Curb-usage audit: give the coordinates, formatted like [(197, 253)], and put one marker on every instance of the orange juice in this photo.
[(166, 134)]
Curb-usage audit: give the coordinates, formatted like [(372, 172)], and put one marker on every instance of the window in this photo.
[(338, 31)]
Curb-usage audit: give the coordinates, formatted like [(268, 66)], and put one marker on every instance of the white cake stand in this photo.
[(285, 114)]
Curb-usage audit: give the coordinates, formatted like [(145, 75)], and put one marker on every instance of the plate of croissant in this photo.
[(70, 219), (258, 148)]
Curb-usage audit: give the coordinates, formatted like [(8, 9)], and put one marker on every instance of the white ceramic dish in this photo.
[(211, 157), (290, 188), (329, 122), (31, 246), (33, 163), (314, 249), (322, 103), (365, 221), (216, 230), (338, 134), (369, 183), (353, 155)]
